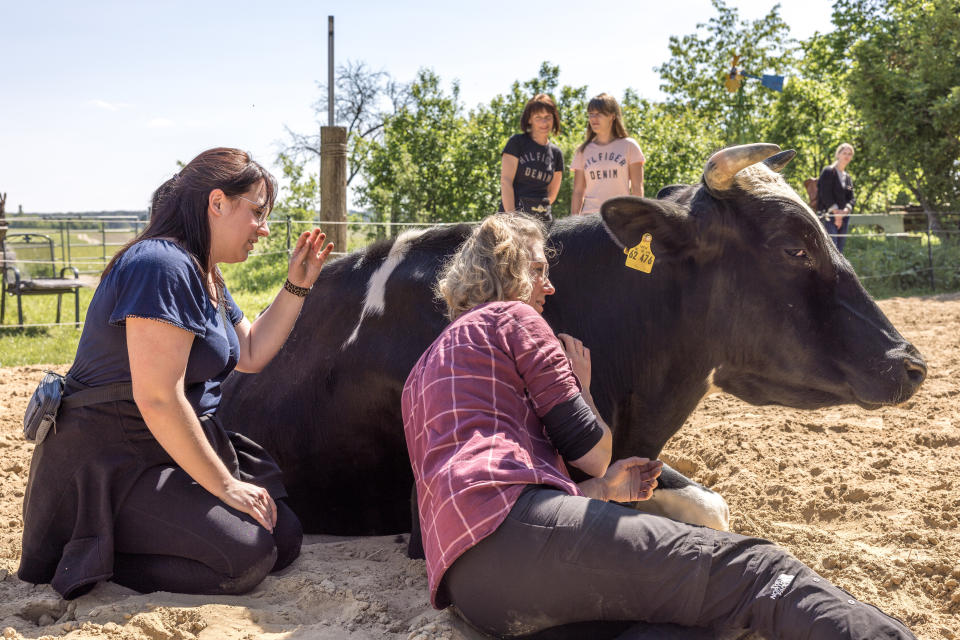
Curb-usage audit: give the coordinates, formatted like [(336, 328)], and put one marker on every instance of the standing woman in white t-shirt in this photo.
[(608, 163)]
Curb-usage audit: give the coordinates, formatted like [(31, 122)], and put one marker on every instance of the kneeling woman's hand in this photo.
[(252, 500), (629, 480)]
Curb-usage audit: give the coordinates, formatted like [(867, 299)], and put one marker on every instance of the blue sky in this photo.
[(100, 99)]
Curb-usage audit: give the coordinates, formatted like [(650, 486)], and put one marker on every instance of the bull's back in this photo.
[(327, 407)]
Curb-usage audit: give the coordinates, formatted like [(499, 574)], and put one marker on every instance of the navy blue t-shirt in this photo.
[(536, 166), (158, 279)]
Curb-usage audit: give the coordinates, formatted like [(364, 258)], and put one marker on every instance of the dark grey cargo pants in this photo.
[(560, 559)]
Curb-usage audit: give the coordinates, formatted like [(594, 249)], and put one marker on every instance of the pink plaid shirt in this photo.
[(471, 416)]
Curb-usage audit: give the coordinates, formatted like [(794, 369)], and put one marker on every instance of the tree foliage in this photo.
[(363, 99), (693, 76), (887, 80), (905, 82)]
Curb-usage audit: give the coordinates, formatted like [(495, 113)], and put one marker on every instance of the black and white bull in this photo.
[(745, 293)]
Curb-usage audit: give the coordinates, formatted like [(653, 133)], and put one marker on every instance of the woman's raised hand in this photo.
[(307, 258), (631, 479)]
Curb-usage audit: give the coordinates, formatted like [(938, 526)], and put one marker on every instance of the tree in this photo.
[(437, 163), (415, 173), (363, 99), (905, 81), (693, 76), (676, 141)]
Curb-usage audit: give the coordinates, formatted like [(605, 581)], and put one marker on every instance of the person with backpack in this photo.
[(835, 195)]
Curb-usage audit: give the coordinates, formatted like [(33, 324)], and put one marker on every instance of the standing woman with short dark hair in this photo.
[(835, 195), (608, 163), (531, 166), (146, 487)]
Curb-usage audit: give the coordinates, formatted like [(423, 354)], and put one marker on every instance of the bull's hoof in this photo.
[(692, 504)]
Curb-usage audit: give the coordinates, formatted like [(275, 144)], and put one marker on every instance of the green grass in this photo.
[(41, 345)]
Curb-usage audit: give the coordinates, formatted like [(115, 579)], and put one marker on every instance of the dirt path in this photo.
[(869, 499)]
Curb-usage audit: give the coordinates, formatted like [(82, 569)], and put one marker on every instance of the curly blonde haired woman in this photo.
[(495, 410)]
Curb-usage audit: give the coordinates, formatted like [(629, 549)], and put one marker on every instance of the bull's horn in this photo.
[(724, 164), (779, 161)]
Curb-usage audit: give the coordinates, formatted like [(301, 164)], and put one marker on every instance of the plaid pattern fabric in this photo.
[(471, 416)]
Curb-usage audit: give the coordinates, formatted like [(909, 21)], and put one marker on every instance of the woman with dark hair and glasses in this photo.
[(494, 411), (531, 167), (141, 484)]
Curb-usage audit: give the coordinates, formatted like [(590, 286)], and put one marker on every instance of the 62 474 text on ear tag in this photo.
[(641, 256)]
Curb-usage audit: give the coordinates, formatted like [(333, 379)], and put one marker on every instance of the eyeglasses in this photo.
[(259, 210), (540, 270)]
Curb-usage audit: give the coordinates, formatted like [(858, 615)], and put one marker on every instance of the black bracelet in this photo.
[(300, 292)]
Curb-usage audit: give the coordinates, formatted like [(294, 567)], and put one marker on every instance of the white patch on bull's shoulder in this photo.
[(764, 182), (692, 504), (375, 299)]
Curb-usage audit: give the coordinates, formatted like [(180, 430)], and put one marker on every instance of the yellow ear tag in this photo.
[(641, 256)]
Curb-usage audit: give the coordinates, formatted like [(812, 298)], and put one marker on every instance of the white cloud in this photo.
[(160, 123), (109, 106)]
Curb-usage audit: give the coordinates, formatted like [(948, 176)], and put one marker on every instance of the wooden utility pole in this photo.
[(333, 166), (330, 78), (333, 184), (3, 224)]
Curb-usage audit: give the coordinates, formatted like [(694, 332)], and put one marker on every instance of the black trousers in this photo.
[(559, 559), (173, 535)]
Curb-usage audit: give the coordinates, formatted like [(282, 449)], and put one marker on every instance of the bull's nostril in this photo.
[(916, 370)]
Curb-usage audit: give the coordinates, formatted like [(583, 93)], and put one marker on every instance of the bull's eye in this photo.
[(797, 253)]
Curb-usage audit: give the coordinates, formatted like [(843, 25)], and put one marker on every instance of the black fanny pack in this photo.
[(48, 399)]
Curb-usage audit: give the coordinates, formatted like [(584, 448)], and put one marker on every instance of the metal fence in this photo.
[(887, 256), (84, 243)]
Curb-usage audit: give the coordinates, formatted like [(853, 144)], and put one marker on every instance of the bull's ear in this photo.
[(668, 190), (627, 218)]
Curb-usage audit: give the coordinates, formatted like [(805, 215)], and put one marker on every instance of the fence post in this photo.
[(333, 183), (288, 236), (103, 243), (933, 284), (64, 248)]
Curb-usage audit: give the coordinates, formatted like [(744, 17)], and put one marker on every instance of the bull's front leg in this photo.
[(680, 498), (415, 544)]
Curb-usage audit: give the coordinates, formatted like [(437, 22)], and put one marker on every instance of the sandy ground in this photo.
[(869, 499)]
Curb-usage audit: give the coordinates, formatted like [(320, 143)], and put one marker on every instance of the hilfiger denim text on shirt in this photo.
[(532, 162)]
